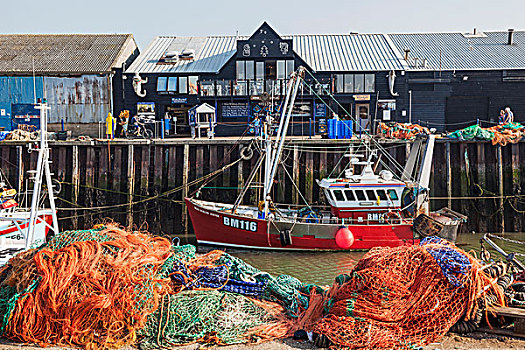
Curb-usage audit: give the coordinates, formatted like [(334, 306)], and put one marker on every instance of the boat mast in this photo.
[(286, 113), (42, 169)]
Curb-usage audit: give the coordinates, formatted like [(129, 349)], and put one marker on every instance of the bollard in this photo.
[(162, 129)]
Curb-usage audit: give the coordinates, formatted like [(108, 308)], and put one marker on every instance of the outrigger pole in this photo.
[(42, 169), (273, 163)]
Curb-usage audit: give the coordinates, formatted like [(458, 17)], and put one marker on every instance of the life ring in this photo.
[(393, 218), (246, 153)]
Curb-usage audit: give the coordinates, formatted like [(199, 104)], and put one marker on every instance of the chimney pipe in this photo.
[(511, 41), (406, 54), (475, 31)]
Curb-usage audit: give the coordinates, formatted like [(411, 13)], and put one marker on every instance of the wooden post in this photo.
[(482, 181), (90, 183), (516, 177), (116, 174), (499, 160), (240, 175), (20, 167), (295, 174), (131, 185), (309, 177), (144, 181), (449, 175), (175, 211), (185, 189), (75, 181)]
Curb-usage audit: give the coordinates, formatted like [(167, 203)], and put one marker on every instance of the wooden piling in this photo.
[(185, 188), (448, 175), (130, 185), (499, 160), (75, 184)]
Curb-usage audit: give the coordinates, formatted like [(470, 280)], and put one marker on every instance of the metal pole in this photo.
[(410, 106)]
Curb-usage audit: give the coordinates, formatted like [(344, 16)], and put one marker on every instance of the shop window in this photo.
[(183, 85), (290, 67), (259, 70), (241, 71), (207, 88), (161, 83), (349, 195), (393, 195), (193, 85), (370, 81), (281, 69), (359, 83), (340, 83), (349, 83), (172, 84), (250, 71), (360, 194)]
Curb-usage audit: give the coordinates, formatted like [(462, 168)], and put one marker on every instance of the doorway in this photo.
[(362, 111)]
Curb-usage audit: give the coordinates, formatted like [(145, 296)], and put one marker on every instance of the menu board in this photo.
[(235, 110)]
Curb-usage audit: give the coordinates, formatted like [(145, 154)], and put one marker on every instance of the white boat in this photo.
[(24, 227)]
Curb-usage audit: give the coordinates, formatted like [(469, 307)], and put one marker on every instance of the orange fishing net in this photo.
[(86, 288), (401, 131), (401, 298)]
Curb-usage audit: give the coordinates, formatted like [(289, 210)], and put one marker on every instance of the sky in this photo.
[(148, 19)]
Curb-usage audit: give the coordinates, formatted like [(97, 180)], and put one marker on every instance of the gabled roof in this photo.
[(350, 52), (457, 51), (63, 53)]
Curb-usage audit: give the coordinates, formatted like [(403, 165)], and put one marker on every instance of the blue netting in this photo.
[(454, 264)]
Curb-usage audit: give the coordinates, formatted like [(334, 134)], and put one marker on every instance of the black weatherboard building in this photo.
[(438, 79)]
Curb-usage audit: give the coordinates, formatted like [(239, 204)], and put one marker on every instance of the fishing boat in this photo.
[(23, 226), (366, 209)]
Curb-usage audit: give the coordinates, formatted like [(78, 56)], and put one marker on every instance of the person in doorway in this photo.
[(110, 124), (509, 116), (257, 125)]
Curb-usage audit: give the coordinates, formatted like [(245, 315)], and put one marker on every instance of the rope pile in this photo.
[(401, 298), (401, 131), (91, 288), (502, 134)]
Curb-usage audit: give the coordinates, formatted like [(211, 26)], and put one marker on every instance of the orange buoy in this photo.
[(344, 238)]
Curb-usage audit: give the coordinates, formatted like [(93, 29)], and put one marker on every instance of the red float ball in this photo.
[(344, 238)]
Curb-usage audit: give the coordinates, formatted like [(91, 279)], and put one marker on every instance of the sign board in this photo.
[(145, 107), (362, 97), (302, 109), (179, 100), (2, 112), (386, 114), (25, 114), (235, 110), (261, 110), (320, 110)]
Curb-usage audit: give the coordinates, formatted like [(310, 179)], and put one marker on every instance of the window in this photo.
[(250, 74), (382, 195), (349, 195), (339, 195), (207, 88), (370, 80), (289, 68), (359, 83), (183, 85), (161, 83), (259, 70), (371, 195), (281, 69), (340, 81), (392, 194), (349, 83), (241, 72), (193, 84), (360, 194), (172, 84), (329, 195)]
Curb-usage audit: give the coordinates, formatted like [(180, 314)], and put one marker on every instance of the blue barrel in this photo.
[(332, 128), (348, 129)]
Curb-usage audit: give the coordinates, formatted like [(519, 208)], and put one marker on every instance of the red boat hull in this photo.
[(215, 227)]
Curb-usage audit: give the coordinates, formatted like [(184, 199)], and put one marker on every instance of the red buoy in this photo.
[(344, 238)]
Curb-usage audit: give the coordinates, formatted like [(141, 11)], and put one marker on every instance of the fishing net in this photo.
[(401, 131), (499, 134), (213, 317), (89, 288), (221, 271), (401, 298)]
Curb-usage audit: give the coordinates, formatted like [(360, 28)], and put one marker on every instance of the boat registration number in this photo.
[(240, 224)]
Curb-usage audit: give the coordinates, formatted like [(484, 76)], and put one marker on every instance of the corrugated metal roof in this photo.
[(60, 53), (352, 52), (449, 51), (211, 53)]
